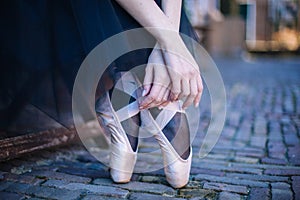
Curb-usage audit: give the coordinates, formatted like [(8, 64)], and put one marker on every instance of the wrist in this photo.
[(169, 38)]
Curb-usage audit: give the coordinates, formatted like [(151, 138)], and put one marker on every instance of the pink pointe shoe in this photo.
[(177, 163), (123, 146)]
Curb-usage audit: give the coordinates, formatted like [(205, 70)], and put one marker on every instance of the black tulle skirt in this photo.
[(43, 43)]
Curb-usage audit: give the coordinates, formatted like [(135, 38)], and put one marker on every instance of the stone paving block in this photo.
[(294, 155), (18, 188), (159, 172), (277, 155), (43, 162), (55, 183), (5, 184), (278, 194), (276, 149), (250, 168), (238, 143), (97, 189), (260, 125), (244, 169), (258, 141), (54, 193), (145, 196), (99, 197), (291, 139), (280, 185), (11, 196), (251, 154), (231, 180), (275, 129), (200, 193), (296, 186), (245, 159), (275, 137), (223, 142), (288, 102), (148, 187), (22, 178), (229, 196), (228, 132), (236, 148), (289, 128), (234, 118), (217, 156), (90, 173), (254, 177), (21, 169), (153, 179), (43, 168), (60, 176), (244, 132), (195, 171), (193, 185), (282, 172), (43, 192), (226, 187), (275, 161), (263, 166), (278, 108), (259, 194), (103, 181)]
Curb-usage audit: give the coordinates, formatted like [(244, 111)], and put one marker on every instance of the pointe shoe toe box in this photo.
[(119, 176), (177, 174)]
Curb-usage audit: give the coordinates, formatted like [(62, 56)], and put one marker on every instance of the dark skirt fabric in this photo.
[(43, 43)]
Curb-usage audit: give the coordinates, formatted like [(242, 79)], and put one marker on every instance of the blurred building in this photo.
[(232, 26)]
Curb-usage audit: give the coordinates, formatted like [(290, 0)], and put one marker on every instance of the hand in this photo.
[(184, 74), (156, 82)]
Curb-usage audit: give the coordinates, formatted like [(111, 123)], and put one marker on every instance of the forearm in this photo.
[(150, 16), (155, 20), (172, 10)]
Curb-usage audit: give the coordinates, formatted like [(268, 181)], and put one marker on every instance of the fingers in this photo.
[(193, 93), (154, 92), (148, 79), (166, 99), (186, 80), (176, 86), (158, 99), (155, 97), (199, 91), (160, 85), (185, 89)]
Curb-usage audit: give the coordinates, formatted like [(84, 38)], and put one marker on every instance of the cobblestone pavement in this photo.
[(257, 156)]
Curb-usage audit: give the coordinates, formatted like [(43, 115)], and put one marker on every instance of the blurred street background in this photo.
[(229, 27)]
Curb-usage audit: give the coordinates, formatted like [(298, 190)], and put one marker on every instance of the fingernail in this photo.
[(197, 105), (160, 107)]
